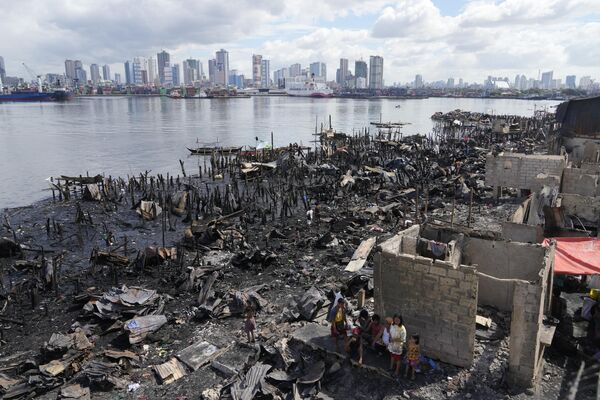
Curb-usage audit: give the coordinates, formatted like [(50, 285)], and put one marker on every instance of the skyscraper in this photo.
[(257, 69), (376, 72), (361, 70), (343, 71), (265, 73), (106, 72), (295, 70), (212, 71), (191, 71), (450, 83), (176, 75), (128, 72), (164, 67), (570, 82), (95, 73), (222, 67), (118, 79), (70, 70), (2, 69), (319, 70), (585, 82), (547, 80), (152, 76), (80, 73), (418, 81), (139, 66)]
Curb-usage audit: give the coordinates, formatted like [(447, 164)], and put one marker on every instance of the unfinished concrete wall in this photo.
[(530, 302), (522, 232), (502, 260), (523, 171), (437, 301), (585, 207), (583, 181)]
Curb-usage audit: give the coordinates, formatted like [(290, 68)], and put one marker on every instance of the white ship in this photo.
[(308, 88)]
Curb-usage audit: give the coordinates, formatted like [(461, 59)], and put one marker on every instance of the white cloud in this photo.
[(501, 37)]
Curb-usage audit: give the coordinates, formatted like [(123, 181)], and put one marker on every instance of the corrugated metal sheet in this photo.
[(579, 117)]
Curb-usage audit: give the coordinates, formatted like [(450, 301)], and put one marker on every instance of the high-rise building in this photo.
[(191, 71), (80, 73), (140, 71), (106, 72), (319, 70), (152, 71), (342, 76), (265, 73), (2, 69), (295, 70), (236, 79), (361, 70), (280, 76), (212, 71), (461, 83), (450, 83), (95, 73), (118, 79), (128, 73), (418, 81), (570, 82), (376, 72), (547, 80), (70, 70), (222, 68), (257, 69), (176, 75), (164, 67)]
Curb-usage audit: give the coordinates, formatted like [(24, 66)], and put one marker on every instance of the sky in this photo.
[(438, 39)]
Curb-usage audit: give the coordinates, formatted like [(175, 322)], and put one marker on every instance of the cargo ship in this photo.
[(308, 88), (34, 95)]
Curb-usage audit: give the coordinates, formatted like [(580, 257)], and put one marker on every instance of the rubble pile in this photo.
[(152, 276)]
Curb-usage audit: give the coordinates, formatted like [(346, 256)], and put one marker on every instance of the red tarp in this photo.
[(576, 255)]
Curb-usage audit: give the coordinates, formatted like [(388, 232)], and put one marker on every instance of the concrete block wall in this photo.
[(503, 260), (582, 181), (585, 207), (523, 171), (436, 300), (531, 301)]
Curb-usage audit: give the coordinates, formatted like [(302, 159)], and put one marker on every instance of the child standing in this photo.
[(397, 340), (250, 324), (338, 324), (413, 353)]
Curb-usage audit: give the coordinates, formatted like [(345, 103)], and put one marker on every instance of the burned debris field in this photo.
[(143, 287)]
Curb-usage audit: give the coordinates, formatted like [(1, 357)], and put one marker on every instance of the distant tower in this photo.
[(376, 72), (257, 69)]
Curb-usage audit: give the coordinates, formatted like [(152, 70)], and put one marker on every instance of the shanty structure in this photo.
[(577, 129)]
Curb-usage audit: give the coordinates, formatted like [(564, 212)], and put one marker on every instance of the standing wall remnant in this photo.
[(437, 301), (523, 171)]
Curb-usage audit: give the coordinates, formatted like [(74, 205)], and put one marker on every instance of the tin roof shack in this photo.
[(578, 129), (438, 292)]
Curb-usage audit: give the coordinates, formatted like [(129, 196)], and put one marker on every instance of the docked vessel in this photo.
[(308, 88), (34, 95)]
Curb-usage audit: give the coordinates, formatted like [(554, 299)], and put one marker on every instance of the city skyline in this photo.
[(437, 39)]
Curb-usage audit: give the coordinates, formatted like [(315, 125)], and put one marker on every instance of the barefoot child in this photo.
[(413, 353), (250, 324)]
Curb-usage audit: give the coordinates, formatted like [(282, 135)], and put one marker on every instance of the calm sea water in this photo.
[(123, 135)]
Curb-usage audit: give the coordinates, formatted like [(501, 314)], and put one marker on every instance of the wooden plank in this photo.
[(360, 255), (483, 321), (170, 371), (547, 334)]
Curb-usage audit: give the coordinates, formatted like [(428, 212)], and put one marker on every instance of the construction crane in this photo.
[(35, 77)]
